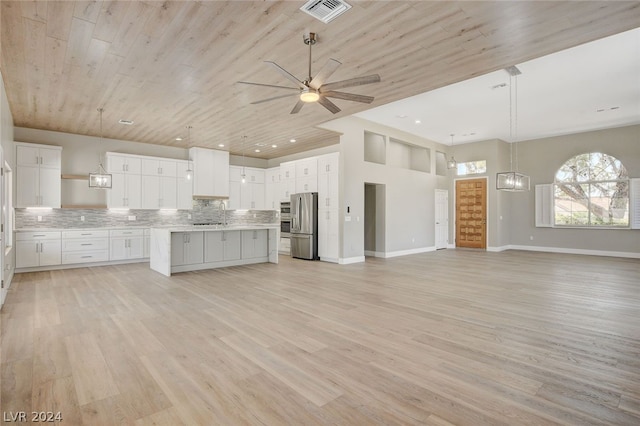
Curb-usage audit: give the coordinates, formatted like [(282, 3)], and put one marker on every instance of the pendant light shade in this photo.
[(188, 175), (513, 180), (100, 178), (452, 164)]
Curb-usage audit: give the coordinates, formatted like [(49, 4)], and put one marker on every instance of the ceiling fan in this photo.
[(314, 89)]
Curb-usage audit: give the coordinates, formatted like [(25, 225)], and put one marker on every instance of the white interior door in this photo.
[(442, 218)]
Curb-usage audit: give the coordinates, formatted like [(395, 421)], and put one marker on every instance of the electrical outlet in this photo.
[(131, 217), (39, 218), (82, 218), (347, 218), (188, 215)]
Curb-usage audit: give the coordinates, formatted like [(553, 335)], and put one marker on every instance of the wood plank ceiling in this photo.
[(169, 64)]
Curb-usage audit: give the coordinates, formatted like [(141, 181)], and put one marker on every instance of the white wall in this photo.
[(6, 136), (410, 208)]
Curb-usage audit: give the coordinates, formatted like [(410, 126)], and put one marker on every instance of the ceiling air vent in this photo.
[(325, 10)]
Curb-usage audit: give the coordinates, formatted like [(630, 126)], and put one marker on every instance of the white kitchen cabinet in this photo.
[(287, 170), (307, 184), (159, 167), (272, 189), (159, 192), (126, 191), (287, 187), (222, 246), (247, 195), (85, 246), (328, 229), (255, 243), (210, 172), (38, 175), (328, 206), (35, 249), (123, 163), (187, 248), (126, 181), (184, 187), (126, 244), (328, 182), (306, 168)]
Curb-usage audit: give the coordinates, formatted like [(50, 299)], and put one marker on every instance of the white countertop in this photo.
[(173, 228), (196, 228)]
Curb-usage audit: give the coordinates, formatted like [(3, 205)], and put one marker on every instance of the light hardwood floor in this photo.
[(449, 337)]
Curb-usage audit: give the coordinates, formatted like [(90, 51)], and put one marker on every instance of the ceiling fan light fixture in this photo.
[(309, 96)]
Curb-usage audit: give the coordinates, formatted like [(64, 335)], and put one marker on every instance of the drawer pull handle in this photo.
[(86, 234), (86, 257), (39, 235), (86, 244)]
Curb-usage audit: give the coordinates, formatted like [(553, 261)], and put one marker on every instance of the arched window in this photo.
[(592, 189)]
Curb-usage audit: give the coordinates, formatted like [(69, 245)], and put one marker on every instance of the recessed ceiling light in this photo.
[(221, 145), (292, 140), (274, 146), (257, 150), (418, 121), (261, 144), (178, 138), (126, 122)]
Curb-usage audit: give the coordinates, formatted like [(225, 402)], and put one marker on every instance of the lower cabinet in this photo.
[(35, 249), (328, 229), (222, 245), (85, 246), (255, 243), (187, 248), (126, 244), (146, 247)]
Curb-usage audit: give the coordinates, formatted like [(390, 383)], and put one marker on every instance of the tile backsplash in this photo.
[(203, 211)]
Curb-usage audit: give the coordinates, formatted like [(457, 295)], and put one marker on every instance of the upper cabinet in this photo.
[(210, 172), (38, 175), (142, 182), (159, 167), (248, 194), (126, 189), (124, 163)]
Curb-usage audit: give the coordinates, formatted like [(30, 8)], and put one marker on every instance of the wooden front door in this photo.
[(471, 213)]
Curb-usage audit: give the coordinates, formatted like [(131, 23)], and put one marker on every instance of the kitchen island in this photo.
[(192, 248)]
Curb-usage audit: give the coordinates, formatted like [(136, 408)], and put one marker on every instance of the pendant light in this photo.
[(100, 179), (244, 176), (513, 180), (188, 175), (452, 164)]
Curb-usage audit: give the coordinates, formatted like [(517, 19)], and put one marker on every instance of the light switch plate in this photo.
[(131, 217), (347, 218)]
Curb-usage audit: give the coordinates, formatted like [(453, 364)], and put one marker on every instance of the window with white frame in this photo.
[(472, 168), (591, 190)]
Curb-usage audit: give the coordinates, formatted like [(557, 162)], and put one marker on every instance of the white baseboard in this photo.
[(330, 259), (349, 260), (408, 252), (374, 253), (499, 249), (576, 251)]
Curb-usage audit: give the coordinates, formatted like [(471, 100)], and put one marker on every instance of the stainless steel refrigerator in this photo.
[(304, 225)]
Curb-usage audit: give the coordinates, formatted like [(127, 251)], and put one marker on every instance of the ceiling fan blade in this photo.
[(349, 97), (328, 105), (274, 98), (329, 68), (286, 74), (269, 85), (358, 81), (297, 107)]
